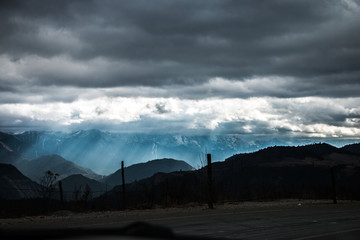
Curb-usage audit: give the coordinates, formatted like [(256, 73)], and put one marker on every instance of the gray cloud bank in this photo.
[(166, 43), (66, 52)]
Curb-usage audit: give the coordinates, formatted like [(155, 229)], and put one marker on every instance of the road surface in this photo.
[(290, 220)]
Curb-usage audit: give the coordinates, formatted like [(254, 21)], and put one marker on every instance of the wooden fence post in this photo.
[(123, 184), (209, 181), (61, 191), (333, 183)]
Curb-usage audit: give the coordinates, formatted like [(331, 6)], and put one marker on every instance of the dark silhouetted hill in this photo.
[(14, 185), (353, 148), (272, 173), (36, 168), (321, 153), (75, 185), (144, 170)]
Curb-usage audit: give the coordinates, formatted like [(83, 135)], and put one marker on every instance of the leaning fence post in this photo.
[(209, 181), (123, 184)]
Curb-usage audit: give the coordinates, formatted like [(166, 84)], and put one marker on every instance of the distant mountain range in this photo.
[(239, 176), (75, 179), (36, 168), (33, 153), (103, 151)]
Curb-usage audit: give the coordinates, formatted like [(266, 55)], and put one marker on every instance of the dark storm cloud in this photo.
[(184, 43), (99, 111), (161, 108)]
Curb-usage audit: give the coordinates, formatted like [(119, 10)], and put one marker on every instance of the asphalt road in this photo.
[(287, 223), (308, 221)]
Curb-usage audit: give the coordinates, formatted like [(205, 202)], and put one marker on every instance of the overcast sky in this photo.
[(275, 68)]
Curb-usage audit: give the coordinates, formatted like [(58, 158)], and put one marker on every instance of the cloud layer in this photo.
[(300, 117), (288, 68)]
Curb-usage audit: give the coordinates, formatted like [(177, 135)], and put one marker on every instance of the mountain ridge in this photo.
[(312, 152), (140, 171), (36, 168), (75, 185), (240, 179), (86, 147), (354, 148), (15, 185), (272, 167)]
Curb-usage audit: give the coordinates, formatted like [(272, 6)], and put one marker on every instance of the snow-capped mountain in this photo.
[(103, 151)]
